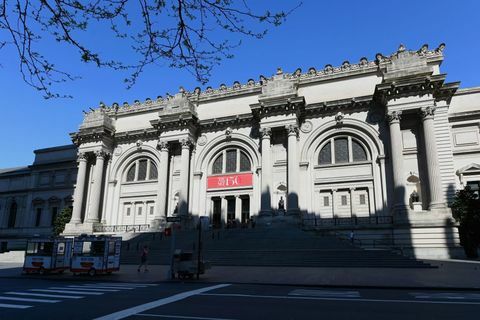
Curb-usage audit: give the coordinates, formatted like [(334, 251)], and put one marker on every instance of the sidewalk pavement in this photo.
[(450, 274)]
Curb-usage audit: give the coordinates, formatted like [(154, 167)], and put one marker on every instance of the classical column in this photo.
[(334, 203), (96, 187), (184, 174), (223, 210), (238, 208), (266, 208), (105, 194), (292, 202), (78, 194), (353, 207), (163, 147), (396, 156), (437, 199)]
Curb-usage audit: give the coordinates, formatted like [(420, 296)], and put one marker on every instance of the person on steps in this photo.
[(144, 259)]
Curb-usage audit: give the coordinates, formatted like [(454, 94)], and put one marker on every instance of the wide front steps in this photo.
[(267, 247)]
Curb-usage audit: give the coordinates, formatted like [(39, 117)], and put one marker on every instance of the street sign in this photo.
[(173, 219)]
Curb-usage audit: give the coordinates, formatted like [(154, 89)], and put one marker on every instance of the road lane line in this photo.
[(170, 316), (28, 299), (157, 303), (324, 293), (92, 289), (62, 290), (446, 295), (127, 284), (238, 295), (43, 295), (14, 306)]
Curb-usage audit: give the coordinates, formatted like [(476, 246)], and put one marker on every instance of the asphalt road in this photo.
[(86, 299)]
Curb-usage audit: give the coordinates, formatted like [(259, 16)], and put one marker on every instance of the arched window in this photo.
[(231, 160), (344, 150), (12, 217), (142, 170)]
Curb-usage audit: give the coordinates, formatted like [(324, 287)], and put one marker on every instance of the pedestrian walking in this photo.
[(144, 259), (352, 237)]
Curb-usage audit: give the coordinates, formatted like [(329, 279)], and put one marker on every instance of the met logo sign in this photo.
[(228, 181)]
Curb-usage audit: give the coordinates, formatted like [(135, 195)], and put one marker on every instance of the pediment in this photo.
[(470, 168)]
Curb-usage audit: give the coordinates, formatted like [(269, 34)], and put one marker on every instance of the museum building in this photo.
[(380, 146)]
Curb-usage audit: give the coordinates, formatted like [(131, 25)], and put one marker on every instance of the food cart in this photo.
[(47, 255), (96, 254), (186, 266)]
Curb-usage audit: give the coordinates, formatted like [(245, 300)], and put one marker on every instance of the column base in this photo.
[(437, 205), (265, 213), (73, 229), (157, 224), (293, 212)]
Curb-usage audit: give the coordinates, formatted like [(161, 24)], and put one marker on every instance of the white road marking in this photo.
[(92, 289), (28, 299), (157, 303), (43, 295), (14, 306), (127, 284), (170, 316), (325, 293), (106, 287), (62, 290), (238, 295), (446, 295)]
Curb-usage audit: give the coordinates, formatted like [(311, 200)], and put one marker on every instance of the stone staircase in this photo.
[(287, 247)]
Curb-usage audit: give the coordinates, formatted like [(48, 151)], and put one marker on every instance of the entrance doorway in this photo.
[(245, 209), (230, 211), (217, 213)]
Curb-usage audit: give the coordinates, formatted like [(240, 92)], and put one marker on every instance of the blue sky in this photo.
[(316, 34)]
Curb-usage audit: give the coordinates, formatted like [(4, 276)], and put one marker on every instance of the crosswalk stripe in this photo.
[(43, 295), (105, 287), (28, 299), (446, 295), (63, 290), (92, 289), (14, 306), (128, 284)]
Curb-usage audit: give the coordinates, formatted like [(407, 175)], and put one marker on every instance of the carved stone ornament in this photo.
[(266, 132), (394, 116), (82, 156), (162, 145), (202, 140), (339, 118), (139, 144), (427, 112), (118, 151), (228, 133), (186, 143), (292, 129), (306, 127), (100, 154)]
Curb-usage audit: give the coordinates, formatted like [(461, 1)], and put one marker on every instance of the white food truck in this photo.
[(47, 255), (96, 254)]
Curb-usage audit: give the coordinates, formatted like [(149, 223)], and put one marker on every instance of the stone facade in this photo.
[(31, 197), (384, 142)]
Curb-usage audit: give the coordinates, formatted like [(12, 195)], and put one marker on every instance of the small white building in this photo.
[(377, 146)]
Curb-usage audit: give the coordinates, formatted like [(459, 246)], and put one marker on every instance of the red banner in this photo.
[(230, 181)]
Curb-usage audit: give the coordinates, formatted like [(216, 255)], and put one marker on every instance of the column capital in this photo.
[(292, 129), (186, 143), (82, 156), (101, 154), (163, 145), (352, 188), (394, 116), (266, 132), (427, 112)]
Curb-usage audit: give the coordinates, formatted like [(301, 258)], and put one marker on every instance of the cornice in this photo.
[(278, 105), (95, 134), (134, 135), (239, 120), (331, 107)]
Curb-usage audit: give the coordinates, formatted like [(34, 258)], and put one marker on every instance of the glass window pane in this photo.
[(359, 153), (142, 170), (218, 164), (325, 156), (153, 171), (231, 165), (344, 200), (244, 162), (131, 173), (341, 150)]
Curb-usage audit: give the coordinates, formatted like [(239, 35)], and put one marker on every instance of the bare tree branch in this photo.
[(186, 34)]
